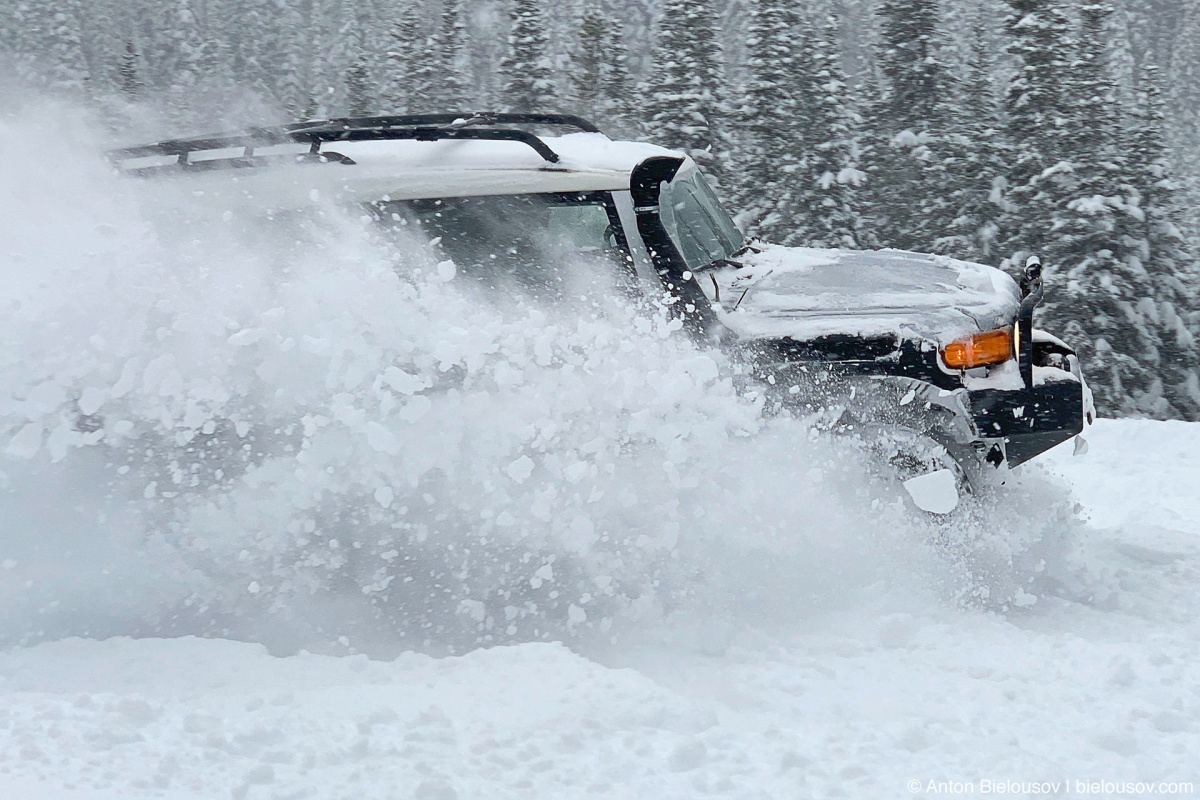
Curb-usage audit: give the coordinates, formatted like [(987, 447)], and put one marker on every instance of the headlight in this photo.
[(992, 347)]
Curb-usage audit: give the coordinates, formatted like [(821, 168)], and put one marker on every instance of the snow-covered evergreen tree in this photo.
[(599, 70), (252, 44), (400, 71), (909, 182), (618, 86), (324, 52), (451, 91), (1162, 247), (769, 136), (828, 182), (67, 69), (294, 88), (128, 72), (978, 165), (1040, 42), (178, 55), (681, 92), (1183, 112), (587, 64), (438, 82), (359, 102), (215, 84), (526, 66), (1108, 298)]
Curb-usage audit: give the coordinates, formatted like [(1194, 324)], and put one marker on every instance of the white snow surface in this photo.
[(296, 512), (805, 293), (853, 700)]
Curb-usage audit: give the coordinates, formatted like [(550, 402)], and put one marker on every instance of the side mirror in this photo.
[(1031, 295), (1031, 277)]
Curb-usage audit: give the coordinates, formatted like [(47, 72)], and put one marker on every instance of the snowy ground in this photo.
[(853, 700)]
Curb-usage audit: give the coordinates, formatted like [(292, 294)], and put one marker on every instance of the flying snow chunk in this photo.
[(91, 400), (402, 382), (27, 442), (384, 496), (521, 469), (935, 492), (446, 271)]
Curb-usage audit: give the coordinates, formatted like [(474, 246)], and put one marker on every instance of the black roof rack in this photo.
[(421, 127)]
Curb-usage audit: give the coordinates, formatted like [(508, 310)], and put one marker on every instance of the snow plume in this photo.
[(297, 433)]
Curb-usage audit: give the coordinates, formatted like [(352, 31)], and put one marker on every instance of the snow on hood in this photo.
[(803, 293)]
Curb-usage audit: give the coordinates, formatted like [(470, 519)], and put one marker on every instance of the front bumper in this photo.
[(900, 383), (1029, 421)]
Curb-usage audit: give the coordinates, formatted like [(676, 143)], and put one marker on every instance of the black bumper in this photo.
[(1029, 421)]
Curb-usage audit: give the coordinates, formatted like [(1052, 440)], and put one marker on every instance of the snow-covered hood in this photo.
[(803, 293)]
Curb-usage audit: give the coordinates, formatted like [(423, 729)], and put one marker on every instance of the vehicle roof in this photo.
[(408, 169)]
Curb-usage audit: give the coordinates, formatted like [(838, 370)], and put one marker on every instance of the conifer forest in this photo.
[(986, 130)]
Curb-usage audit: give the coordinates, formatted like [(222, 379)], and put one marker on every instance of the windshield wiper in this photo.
[(749, 247)]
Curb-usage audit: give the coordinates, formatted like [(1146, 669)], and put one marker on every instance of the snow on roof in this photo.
[(407, 169)]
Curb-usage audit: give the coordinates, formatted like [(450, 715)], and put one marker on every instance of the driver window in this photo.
[(582, 227)]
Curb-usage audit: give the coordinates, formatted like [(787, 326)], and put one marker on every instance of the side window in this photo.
[(547, 246), (582, 227)]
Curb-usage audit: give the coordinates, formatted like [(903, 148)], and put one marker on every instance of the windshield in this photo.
[(694, 219)]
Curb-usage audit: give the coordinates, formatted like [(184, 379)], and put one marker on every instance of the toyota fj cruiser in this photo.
[(939, 356)]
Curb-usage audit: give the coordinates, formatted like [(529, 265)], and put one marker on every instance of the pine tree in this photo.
[(617, 84), (681, 93), (1162, 247), (1184, 94), (324, 51), (400, 65), (600, 70), (587, 64), (770, 119), (294, 89), (1110, 303), (178, 52), (978, 166), (215, 84), (826, 207), (438, 80), (68, 71), (127, 72), (452, 88), (908, 160), (1040, 41), (358, 88), (528, 82)]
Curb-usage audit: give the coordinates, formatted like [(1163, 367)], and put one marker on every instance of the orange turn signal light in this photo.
[(979, 350)]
